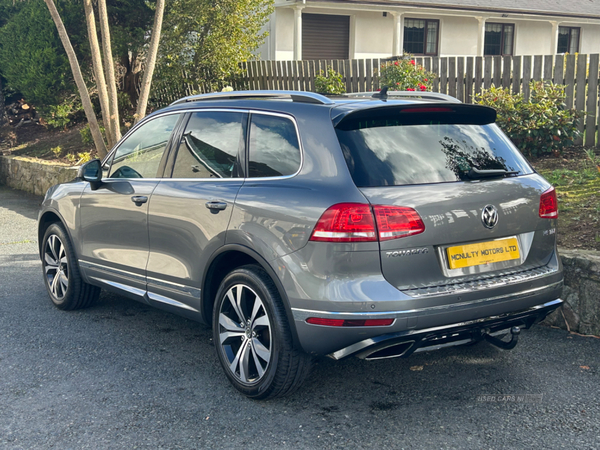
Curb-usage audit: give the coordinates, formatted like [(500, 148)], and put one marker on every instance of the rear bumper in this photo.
[(404, 344), (521, 308)]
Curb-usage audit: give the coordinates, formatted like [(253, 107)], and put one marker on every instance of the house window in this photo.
[(568, 40), (421, 36), (499, 39)]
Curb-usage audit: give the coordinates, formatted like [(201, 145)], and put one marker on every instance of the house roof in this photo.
[(570, 8)]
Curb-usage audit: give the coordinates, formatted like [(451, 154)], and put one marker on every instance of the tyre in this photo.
[(252, 336), (62, 278)]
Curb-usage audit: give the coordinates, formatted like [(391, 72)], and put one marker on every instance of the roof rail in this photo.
[(411, 94), (295, 96)]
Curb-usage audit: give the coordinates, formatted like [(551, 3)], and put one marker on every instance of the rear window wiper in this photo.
[(476, 174)]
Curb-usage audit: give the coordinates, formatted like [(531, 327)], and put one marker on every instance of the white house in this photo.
[(330, 29)]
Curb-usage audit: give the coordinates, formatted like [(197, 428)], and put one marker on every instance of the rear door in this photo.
[(477, 196), (191, 208)]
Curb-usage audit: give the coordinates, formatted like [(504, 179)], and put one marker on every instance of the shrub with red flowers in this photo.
[(405, 75)]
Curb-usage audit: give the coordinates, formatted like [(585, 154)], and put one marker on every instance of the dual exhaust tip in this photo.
[(408, 347)]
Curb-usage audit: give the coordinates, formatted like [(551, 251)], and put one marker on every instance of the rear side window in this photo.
[(274, 147), (210, 145), (392, 151)]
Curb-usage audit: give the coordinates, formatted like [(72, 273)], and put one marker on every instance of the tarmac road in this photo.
[(121, 375)]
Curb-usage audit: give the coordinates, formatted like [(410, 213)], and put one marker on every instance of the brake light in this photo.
[(394, 222), (355, 222), (427, 109), (346, 222), (549, 204), (350, 323)]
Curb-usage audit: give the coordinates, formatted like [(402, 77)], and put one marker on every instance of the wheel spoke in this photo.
[(255, 309), (52, 244), (229, 324), (257, 362), (244, 362), (54, 285), (262, 321), (49, 260), (237, 362), (261, 350), (235, 304), (64, 281)]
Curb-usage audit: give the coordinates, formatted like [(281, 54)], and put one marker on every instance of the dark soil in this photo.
[(577, 182), (36, 141)]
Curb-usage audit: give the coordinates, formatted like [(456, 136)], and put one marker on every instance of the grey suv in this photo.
[(298, 225)]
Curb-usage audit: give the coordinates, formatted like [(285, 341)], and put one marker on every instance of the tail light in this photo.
[(394, 222), (549, 204), (350, 322), (355, 222)]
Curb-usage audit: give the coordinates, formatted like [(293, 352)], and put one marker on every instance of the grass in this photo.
[(578, 191)]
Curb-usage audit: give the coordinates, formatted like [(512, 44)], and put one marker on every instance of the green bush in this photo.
[(329, 82), (541, 125), (86, 135), (61, 115), (405, 75)]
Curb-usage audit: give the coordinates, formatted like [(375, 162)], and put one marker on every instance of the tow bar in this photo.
[(514, 331)]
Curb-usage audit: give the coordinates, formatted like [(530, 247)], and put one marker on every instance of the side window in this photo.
[(140, 154), (274, 147), (210, 145)]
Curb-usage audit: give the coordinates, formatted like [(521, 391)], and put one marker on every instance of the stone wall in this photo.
[(581, 309), (33, 176)]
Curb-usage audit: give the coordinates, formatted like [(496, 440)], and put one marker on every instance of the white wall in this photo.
[(533, 38), (284, 32), (589, 42), (458, 36), (373, 35)]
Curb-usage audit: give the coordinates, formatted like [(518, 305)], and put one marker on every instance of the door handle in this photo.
[(215, 207), (139, 199)]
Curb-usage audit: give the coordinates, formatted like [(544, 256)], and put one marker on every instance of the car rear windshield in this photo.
[(393, 151)]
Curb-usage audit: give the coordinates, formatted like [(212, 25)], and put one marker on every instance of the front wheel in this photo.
[(253, 338), (64, 284)]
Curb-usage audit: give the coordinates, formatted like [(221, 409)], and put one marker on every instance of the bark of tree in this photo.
[(98, 70), (109, 67), (83, 92), (150, 61), (2, 105)]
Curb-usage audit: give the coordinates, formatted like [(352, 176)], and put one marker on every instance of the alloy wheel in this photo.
[(56, 266), (245, 334)]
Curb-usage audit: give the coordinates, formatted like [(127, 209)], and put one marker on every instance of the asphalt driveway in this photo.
[(122, 375)]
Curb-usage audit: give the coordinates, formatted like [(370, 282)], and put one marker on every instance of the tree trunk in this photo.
[(98, 70), (109, 67), (2, 105), (150, 61), (83, 92)]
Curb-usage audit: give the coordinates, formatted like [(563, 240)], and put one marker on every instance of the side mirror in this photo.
[(91, 171)]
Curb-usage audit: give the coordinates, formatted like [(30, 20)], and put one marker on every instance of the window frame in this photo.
[(242, 152), (248, 131), (107, 162), (437, 40), (570, 38), (512, 47)]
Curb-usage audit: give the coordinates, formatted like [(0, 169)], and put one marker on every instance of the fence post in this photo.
[(516, 85), (526, 76), (460, 78), (580, 93), (570, 80), (592, 102), (469, 81)]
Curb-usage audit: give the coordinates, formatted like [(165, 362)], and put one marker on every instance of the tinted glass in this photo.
[(414, 36), (384, 152), (493, 39), (209, 146), (139, 155), (274, 148)]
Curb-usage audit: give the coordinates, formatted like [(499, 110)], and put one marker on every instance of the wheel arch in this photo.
[(222, 262), (46, 219)]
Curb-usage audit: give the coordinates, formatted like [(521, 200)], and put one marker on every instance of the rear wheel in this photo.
[(62, 278), (253, 338)]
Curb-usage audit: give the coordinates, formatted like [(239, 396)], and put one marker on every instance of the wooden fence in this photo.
[(460, 77)]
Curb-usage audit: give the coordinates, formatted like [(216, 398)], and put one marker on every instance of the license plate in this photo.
[(483, 253)]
